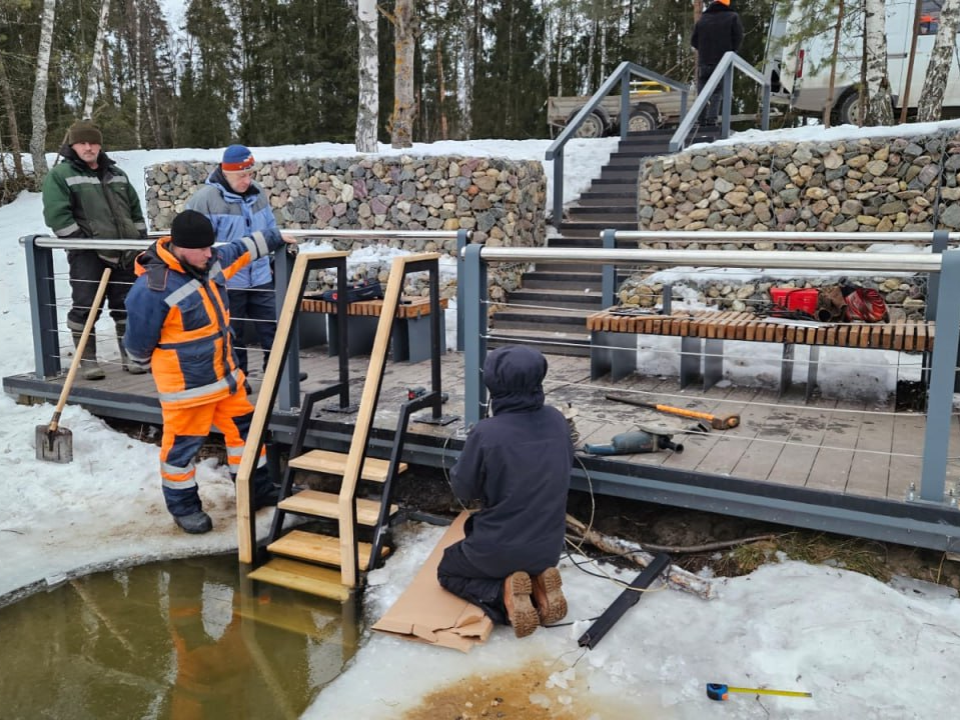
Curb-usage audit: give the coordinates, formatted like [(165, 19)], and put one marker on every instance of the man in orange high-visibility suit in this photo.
[(178, 326)]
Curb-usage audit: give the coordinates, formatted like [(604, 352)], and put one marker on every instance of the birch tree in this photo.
[(38, 110), (471, 53), (94, 73), (404, 105), (879, 106), (931, 97), (368, 69)]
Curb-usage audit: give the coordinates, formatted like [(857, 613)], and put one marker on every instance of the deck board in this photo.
[(816, 445)]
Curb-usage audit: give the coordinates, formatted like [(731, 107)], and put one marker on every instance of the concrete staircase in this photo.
[(550, 310)]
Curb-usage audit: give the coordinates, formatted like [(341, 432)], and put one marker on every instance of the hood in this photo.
[(514, 376), (158, 256)]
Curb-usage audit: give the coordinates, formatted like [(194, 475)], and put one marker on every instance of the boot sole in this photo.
[(520, 611), (552, 607)]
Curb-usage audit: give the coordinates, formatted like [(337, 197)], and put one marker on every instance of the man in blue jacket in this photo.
[(517, 463), (238, 207)]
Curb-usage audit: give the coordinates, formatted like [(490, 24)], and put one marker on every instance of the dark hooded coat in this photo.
[(517, 463)]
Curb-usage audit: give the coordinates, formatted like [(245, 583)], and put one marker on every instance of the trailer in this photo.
[(652, 105), (799, 70)]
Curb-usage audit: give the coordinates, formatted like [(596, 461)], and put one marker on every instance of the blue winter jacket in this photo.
[(235, 216)]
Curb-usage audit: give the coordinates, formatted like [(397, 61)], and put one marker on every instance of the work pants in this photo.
[(458, 575), (184, 432), (712, 109), (253, 310), (86, 268)]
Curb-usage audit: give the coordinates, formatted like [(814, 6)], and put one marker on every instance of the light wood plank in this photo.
[(324, 504), (831, 468), (869, 472), (304, 577), (334, 463), (318, 548)]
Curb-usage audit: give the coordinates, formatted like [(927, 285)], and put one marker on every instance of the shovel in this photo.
[(55, 443)]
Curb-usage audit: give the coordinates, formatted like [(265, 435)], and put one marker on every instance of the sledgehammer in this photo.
[(717, 422)]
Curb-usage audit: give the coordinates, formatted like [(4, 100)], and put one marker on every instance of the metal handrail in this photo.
[(624, 72), (723, 71), (815, 260)]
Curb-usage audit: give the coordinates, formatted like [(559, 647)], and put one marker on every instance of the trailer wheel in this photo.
[(641, 121), (592, 127), (849, 113)]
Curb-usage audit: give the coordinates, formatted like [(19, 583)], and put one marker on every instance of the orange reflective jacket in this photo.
[(178, 319)]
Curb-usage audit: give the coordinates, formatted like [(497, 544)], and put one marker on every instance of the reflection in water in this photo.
[(169, 640)]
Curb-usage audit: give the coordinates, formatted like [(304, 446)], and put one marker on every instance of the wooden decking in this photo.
[(840, 450)]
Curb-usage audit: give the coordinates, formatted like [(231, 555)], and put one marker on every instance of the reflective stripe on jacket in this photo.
[(178, 319), (234, 216)]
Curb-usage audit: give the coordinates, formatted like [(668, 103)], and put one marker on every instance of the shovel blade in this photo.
[(54, 445)]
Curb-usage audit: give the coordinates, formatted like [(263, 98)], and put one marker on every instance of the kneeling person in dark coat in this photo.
[(517, 463)]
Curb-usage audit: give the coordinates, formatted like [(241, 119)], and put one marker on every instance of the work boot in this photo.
[(89, 369), (130, 367), (265, 496), (195, 523), (548, 596), (516, 600)]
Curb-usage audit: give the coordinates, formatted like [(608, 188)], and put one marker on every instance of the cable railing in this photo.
[(944, 297)]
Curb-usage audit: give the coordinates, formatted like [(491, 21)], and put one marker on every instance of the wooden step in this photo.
[(318, 548), (324, 582), (325, 504), (334, 463)]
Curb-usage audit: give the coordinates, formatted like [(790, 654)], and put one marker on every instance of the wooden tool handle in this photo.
[(81, 344)]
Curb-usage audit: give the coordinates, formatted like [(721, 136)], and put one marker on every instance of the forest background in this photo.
[(274, 72)]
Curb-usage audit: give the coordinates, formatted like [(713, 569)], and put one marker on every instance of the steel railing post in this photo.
[(43, 308), (936, 442), (475, 329), (608, 274), (463, 238)]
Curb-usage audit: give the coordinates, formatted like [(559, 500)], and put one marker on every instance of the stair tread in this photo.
[(324, 582), (318, 548), (327, 505), (334, 463)]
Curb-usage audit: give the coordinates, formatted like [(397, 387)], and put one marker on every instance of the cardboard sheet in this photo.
[(427, 613)]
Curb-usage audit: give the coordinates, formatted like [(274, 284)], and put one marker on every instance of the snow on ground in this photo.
[(863, 649)]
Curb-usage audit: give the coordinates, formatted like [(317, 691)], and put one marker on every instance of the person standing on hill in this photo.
[(88, 196), (179, 329), (517, 463), (717, 32), (237, 206)]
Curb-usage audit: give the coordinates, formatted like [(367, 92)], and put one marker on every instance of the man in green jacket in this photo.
[(88, 196)]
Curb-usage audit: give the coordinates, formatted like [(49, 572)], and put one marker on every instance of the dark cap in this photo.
[(84, 131), (191, 229)]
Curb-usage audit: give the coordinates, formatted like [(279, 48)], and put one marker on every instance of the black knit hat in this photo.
[(84, 131), (191, 229)]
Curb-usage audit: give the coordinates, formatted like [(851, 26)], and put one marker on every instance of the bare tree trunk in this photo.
[(368, 100), (441, 85), (934, 82), (404, 106), (7, 97), (828, 109), (94, 74), (38, 109), (879, 106), (137, 75), (471, 32), (911, 59)]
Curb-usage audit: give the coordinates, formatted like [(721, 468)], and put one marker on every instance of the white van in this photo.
[(799, 72)]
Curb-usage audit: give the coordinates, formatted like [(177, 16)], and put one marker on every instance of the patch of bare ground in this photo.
[(691, 537)]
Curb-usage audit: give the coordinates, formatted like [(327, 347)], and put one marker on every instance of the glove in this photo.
[(128, 258)]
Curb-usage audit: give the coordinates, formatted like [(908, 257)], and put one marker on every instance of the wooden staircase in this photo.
[(345, 535), (572, 292)]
